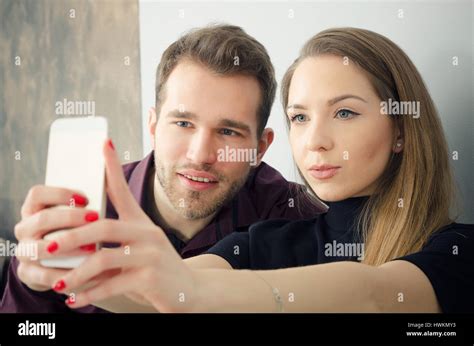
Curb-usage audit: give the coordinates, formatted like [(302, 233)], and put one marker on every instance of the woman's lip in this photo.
[(324, 173), (322, 167)]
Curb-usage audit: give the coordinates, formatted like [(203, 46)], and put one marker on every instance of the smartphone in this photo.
[(76, 161)]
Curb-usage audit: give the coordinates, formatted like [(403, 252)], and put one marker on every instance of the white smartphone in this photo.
[(76, 161)]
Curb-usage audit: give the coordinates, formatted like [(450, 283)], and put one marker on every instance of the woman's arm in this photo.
[(122, 304), (207, 261), (397, 286)]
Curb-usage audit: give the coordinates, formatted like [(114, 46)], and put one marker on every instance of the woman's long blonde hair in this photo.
[(415, 193)]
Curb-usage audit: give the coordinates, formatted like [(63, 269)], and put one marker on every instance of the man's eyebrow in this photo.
[(297, 106), (343, 97), (176, 113), (235, 124), (224, 122)]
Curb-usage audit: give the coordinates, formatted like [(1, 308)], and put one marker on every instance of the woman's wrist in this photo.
[(221, 290), (201, 289)]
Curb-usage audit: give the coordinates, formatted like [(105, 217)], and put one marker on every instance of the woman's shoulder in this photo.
[(453, 234), (455, 228)]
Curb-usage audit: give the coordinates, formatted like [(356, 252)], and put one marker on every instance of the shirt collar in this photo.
[(342, 215), (137, 181)]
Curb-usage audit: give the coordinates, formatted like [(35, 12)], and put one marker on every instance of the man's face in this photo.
[(203, 116)]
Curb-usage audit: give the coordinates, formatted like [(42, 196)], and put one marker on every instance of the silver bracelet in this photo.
[(275, 292)]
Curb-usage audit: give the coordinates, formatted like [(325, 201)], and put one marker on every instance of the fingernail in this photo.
[(91, 216), (60, 285), (70, 301), (111, 144), (88, 247), (52, 247), (79, 200)]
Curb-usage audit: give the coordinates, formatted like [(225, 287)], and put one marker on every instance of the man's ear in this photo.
[(264, 143), (152, 120)]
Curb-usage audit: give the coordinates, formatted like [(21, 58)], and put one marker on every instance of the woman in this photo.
[(387, 242)]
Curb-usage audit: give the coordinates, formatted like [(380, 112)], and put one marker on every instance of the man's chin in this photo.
[(197, 212)]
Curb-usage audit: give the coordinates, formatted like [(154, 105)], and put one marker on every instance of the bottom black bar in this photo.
[(290, 329)]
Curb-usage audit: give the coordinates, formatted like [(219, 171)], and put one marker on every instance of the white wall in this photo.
[(431, 33)]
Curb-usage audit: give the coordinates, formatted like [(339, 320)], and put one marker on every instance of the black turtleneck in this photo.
[(275, 244), (447, 258)]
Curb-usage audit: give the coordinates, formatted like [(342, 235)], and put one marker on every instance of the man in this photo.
[(214, 90)]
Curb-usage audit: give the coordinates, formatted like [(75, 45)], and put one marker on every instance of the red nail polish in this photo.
[(60, 285), (88, 247), (91, 216), (79, 200), (111, 144), (52, 247), (70, 301)]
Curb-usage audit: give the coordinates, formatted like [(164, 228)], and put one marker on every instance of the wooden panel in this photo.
[(51, 51)]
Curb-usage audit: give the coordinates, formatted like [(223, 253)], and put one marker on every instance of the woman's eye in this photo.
[(299, 118), (183, 123), (345, 114)]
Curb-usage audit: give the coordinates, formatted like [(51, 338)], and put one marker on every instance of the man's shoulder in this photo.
[(128, 168), (270, 190), (265, 176)]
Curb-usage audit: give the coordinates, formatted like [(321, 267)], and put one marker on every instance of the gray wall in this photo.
[(430, 32), (68, 49)]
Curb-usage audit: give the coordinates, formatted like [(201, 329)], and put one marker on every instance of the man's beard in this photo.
[(195, 205)]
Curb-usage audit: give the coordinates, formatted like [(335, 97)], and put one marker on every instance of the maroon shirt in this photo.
[(265, 195)]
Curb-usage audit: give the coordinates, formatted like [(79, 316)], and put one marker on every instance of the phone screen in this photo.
[(76, 161)]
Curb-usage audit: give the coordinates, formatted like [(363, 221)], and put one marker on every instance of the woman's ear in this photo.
[(398, 142), (152, 120), (264, 143)]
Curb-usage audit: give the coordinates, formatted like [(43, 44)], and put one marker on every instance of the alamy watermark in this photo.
[(67, 107), (229, 154), (393, 107), (28, 328), (336, 249), (10, 249)]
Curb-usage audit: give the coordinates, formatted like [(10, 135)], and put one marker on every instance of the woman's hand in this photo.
[(39, 217), (146, 268)]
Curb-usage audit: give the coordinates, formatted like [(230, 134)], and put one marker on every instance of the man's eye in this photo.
[(346, 114), (183, 123), (227, 132), (299, 118)]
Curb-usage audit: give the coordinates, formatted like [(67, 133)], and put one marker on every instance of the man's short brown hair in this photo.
[(226, 50)]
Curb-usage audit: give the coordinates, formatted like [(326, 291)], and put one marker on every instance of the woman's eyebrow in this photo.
[(330, 102), (343, 97)]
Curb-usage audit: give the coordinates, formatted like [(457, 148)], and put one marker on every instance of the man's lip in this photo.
[(198, 174), (196, 185), (322, 167)]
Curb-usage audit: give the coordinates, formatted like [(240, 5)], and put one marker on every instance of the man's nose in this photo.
[(202, 149)]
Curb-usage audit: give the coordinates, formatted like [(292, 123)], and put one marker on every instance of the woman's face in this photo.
[(340, 140)]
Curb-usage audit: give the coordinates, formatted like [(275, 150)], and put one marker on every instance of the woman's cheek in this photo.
[(370, 161), (297, 148)]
